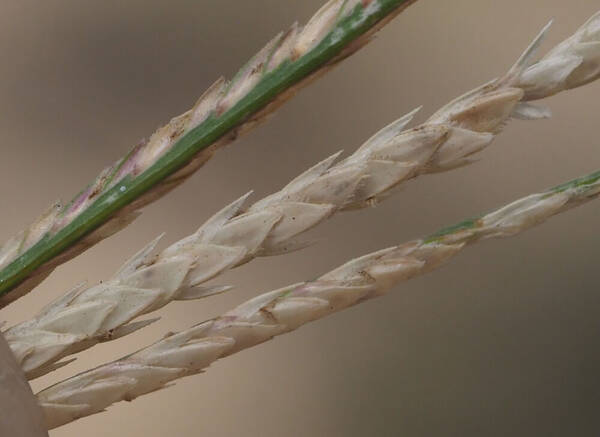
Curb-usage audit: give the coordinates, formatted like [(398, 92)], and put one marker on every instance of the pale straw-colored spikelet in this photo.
[(25, 239), (572, 63), (272, 225), (286, 47), (317, 28), (286, 309)]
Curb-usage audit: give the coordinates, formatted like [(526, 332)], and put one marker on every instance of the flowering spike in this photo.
[(280, 311), (182, 146), (274, 225)]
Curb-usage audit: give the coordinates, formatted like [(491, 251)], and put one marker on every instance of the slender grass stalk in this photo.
[(284, 310), (270, 226), (174, 152)]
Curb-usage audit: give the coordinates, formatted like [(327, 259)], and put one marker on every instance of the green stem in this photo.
[(128, 189)]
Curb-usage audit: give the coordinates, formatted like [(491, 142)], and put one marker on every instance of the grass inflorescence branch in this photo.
[(175, 151), (276, 224), (277, 312)]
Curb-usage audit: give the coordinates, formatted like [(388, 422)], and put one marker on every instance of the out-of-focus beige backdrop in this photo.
[(502, 341)]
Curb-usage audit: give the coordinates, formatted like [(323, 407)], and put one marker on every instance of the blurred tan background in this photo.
[(502, 341)]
